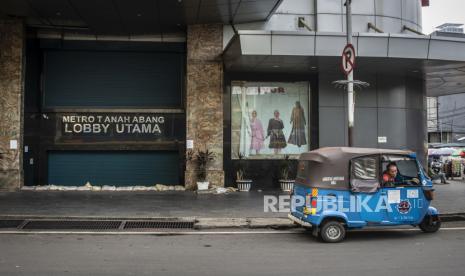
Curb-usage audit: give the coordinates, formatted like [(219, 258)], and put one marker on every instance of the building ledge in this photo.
[(439, 60)]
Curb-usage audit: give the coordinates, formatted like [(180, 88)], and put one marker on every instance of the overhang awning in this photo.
[(439, 60), (135, 17)]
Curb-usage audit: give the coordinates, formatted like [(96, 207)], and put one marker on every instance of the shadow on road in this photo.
[(370, 235)]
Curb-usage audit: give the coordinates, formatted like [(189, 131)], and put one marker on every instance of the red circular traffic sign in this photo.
[(348, 59)]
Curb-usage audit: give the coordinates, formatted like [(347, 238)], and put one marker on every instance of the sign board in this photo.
[(189, 144), (114, 123), (348, 59), (95, 127), (425, 3), (13, 144), (382, 139)]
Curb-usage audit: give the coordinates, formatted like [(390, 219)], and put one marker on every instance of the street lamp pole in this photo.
[(350, 77)]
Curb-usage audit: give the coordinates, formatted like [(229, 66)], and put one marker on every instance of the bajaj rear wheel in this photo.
[(332, 231), (429, 225)]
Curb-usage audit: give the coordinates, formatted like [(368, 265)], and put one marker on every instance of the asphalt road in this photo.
[(363, 253)]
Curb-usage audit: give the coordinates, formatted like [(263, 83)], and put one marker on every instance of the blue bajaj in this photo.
[(338, 189)]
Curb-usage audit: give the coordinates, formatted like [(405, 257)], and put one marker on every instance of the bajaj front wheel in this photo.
[(332, 231), (430, 225)]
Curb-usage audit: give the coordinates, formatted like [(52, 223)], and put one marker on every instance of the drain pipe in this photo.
[(406, 28), (376, 29)]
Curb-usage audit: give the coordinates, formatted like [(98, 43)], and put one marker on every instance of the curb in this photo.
[(278, 223), (451, 217), (250, 223)]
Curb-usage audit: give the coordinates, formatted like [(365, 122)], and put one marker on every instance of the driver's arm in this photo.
[(406, 180)]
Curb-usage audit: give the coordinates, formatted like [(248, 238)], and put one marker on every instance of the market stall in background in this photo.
[(447, 159)]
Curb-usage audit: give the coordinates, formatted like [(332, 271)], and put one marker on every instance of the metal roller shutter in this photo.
[(118, 168), (112, 79)]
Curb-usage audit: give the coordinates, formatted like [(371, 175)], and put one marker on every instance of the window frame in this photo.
[(378, 173), (399, 155), (308, 118)]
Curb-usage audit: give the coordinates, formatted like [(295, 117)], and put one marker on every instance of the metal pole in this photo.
[(452, 124), (438, 120), (350, 77)]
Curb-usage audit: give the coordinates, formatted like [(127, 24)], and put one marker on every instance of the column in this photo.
[(11, 94), (204, 107)]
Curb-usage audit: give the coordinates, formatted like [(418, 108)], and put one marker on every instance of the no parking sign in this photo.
[(348, 59)]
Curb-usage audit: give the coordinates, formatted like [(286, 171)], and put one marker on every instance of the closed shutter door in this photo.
[(86, 79), (116, 168)]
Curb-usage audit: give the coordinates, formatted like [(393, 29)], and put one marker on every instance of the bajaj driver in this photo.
[(391, 176)]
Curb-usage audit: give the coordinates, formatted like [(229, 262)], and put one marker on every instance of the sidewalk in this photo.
[(135, 204), (449, 199)]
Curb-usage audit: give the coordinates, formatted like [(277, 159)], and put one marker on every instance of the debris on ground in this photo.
[(218, 190), (96, 188), (124, 189), (89, 187)]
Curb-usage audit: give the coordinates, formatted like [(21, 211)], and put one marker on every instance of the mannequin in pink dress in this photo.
[(258, 135)]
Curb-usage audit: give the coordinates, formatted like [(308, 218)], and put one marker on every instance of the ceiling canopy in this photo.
[(440, 61), (135, 17)]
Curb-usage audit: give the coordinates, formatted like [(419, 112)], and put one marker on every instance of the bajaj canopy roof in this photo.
[(336, 153), (329, 167)]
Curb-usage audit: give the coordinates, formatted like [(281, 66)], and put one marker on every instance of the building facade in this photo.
[(118, 93), (445, 119), (445, 112), (449, 29)]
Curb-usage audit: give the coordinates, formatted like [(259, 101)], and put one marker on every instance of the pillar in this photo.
[(204, 107), (11, 94)]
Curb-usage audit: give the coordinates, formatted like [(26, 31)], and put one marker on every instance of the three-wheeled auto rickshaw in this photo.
[(342, 188)]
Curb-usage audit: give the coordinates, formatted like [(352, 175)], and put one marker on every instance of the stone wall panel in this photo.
[(11, 91), (204, 42), (204, 109)]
